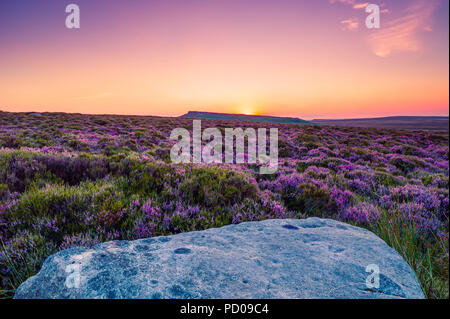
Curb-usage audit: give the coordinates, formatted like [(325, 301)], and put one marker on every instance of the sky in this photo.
[(303, 58)]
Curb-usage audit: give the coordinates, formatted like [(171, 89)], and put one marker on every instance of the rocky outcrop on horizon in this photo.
[(243, 117)]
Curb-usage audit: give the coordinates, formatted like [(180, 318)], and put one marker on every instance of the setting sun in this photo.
[(246, 109)]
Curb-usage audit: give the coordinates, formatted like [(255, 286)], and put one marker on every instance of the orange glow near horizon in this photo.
[(281, 58)]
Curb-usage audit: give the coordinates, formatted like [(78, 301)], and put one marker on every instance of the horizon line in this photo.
[(249, 115)]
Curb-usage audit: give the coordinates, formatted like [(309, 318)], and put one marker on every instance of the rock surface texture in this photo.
[(310, 258)]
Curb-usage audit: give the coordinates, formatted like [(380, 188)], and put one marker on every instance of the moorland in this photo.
[(70, 180)]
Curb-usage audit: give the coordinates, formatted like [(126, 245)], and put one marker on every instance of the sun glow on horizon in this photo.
[(247, 108)]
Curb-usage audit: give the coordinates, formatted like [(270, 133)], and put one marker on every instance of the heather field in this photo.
[(70, 180)]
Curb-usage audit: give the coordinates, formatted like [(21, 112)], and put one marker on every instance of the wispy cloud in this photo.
[(403, 34), (350, 24), (360, 5)]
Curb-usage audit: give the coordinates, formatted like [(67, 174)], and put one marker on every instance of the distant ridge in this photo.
[(243, 117), (393, 122)]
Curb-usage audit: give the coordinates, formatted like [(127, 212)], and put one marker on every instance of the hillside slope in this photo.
[(243, 117)]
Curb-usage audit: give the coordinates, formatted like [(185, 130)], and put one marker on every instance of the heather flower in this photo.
[(86, 179), (79, 240), (362, 212), (342, 199)]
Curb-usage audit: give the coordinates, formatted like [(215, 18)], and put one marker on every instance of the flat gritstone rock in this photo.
[(285, 258)]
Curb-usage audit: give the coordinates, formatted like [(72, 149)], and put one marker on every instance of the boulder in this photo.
[(284, 258)]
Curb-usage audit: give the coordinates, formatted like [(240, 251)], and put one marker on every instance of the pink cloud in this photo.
[(360, 5), (350, 24), (353, 24), (402, 34)]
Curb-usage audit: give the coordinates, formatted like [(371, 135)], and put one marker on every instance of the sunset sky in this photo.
[(303, 58)]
